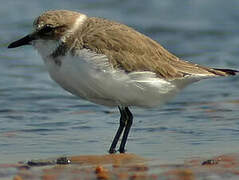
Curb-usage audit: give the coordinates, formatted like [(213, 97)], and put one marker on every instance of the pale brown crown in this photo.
[(54, 24)]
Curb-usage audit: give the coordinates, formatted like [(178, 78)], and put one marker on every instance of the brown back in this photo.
[(130, 50)]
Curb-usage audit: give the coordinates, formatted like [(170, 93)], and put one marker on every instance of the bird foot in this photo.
[(112, 151), (210, 162), (122, 150)]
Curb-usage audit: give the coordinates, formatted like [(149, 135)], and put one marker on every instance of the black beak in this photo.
[(21, 42)]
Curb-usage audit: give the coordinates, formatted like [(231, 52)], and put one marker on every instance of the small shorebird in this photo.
[(109, 63)]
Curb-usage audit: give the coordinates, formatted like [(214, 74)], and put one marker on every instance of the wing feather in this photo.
[(132, 51)]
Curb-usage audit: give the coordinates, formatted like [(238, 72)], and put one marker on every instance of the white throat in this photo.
[(46, 47)]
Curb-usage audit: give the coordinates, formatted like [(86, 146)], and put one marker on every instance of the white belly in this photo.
[(92, 78)]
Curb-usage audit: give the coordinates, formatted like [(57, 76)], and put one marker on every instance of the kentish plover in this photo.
[(109, 63)]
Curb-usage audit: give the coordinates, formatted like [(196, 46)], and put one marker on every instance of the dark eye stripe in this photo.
[(46, 29)]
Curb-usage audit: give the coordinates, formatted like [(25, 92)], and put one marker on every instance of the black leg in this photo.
[(129, 122), (119, 131)]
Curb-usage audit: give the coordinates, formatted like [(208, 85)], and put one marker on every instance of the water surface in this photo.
[(38, 119)]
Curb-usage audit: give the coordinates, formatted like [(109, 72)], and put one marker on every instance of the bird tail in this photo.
[(225, 72)]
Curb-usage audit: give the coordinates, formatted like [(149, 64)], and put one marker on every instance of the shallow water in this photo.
[(38, 119)]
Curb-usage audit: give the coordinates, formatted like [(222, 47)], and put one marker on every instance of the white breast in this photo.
[(90, 76)]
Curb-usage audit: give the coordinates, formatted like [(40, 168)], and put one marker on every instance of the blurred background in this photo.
[(38, 119)]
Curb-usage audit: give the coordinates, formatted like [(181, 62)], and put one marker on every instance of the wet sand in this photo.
[(123, 167)]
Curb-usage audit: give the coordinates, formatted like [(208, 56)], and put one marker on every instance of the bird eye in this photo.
[(46, 29)]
